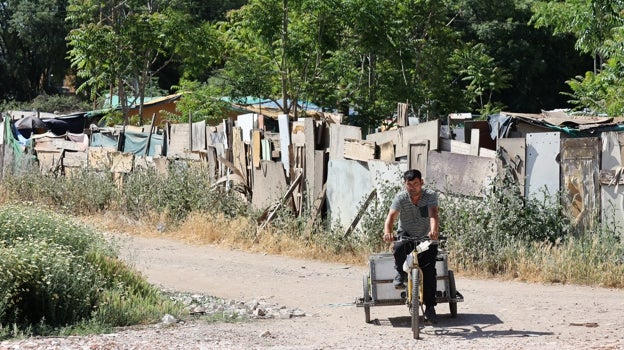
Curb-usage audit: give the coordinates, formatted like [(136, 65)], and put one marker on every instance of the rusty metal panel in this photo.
[(458, 173), (612, 196), (580, 166), (513, 156), (542, 171)]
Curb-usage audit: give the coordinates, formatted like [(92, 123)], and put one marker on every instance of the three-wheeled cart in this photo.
[(379, 289)]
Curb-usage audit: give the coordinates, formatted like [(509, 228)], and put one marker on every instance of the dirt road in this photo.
[(495, 314)]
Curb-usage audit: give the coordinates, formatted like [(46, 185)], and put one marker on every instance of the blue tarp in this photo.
[(103, 140), (136, 142)]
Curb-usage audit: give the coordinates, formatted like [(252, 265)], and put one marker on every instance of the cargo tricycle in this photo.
[(380, 291)]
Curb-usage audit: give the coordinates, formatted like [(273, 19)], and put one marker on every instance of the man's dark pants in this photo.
[(426, 260)]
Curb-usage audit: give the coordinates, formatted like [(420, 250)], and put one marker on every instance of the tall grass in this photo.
[(58, 273)]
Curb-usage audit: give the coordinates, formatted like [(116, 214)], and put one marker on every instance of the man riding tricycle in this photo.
[(416, 258)]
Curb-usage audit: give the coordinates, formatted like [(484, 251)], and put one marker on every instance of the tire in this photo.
[(414, 302), (367, 299), (452, 294)]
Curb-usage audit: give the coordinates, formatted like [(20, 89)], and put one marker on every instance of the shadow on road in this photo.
[(468, 326)]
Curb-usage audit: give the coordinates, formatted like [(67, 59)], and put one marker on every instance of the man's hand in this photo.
[(388, 236), (433, 235)]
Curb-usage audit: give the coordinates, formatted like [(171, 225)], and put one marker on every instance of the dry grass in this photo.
[(218, 230), (569, 262)]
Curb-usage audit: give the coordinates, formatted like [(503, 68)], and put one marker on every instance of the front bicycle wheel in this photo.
[(415, 303)]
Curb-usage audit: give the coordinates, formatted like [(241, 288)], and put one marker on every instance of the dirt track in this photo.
[(495, 314)]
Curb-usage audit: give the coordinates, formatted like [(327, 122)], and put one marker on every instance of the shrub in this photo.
[(43, 282), (59, 273), (19, 223)]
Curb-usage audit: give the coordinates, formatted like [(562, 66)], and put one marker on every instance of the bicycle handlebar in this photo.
[(414, 239)]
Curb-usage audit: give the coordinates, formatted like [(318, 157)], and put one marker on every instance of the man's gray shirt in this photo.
[(414, 219)]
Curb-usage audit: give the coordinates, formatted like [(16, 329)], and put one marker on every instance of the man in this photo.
[(417, 211)]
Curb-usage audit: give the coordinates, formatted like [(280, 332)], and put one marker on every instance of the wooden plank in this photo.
[(74, 159), (474, 142), (309, 130), (238, 152), (298, 136), (460, 147), (284, 139), (69, 145), (49, 162), (357, 149), (402, 119), (149, 137), (121, 162), (461, 174), (611, 177), (256, 148), (417, 156), (402, 136), (338, 133), (231, 166), (266, 149), (512, 158), (386, 151), (316, 210), (486, 153), (272, 213), (356, 220)]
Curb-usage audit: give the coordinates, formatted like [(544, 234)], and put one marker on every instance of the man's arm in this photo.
[(389, 225), (434, 221)]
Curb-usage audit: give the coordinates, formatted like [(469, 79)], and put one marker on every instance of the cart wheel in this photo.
[(452, 293), (367, 298), (415, 303)]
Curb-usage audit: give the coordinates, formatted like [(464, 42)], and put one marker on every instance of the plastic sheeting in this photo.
[(104, 140), (137, 143)]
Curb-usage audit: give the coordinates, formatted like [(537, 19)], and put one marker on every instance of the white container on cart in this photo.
[(382, 275)]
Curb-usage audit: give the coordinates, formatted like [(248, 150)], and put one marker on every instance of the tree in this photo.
[(590, 21), (144, 37), (483, 77), (363, 55), (598, 27), (32, 47)]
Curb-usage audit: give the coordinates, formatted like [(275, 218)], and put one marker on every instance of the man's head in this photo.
[(412, 174), (413, 181)]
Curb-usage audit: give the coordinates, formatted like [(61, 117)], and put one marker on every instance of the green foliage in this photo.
[(371, 225), (61, 277), (63, 192), (32, 59), (483, 77), (201, 102), (486, 232), (602, 92), (46, 277), (44, 282), (127, 298), (185, 189), (146, 39), (64, 104), (23, 222), (591, 22)]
